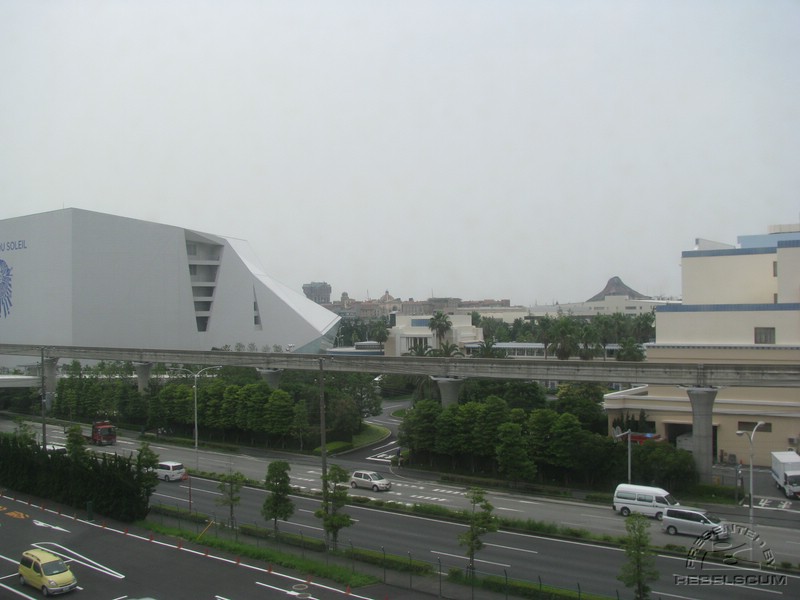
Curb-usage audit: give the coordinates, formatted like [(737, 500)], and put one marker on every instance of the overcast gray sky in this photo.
[(527, 150)]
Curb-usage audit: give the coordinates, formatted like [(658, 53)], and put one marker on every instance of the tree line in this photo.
[(565, 443), (234, 404)]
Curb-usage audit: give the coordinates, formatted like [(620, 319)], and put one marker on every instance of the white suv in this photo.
[(370, 479)]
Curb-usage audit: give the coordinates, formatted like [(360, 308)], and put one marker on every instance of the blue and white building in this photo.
[(741, 304)]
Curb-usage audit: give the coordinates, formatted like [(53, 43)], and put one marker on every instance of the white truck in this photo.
[(786, 472)]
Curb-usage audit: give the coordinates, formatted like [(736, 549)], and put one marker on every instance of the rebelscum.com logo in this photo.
[(718, 560), (5, 288)]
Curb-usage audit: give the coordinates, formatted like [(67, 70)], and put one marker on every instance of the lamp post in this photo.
[(195, 374), (628, 434), (44, 406), (323, 444), (750, 436)]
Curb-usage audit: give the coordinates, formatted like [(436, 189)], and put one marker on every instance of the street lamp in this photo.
[(195, 374), (619, 435), (750, 436)]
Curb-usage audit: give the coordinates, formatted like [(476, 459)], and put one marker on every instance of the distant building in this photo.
[(319, 292), (410, 332), (615, 297), (74, 277), (740, 305)]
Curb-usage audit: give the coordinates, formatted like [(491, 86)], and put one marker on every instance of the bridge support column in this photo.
[(448, 389), (702, 399), (50, 380), (143, 371), (271, 376)]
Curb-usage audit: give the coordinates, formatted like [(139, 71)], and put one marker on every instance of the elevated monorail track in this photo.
[(664, 373)]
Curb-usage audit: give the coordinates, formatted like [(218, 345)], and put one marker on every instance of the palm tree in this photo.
[(565, 334), (487, 349), (543, 332), (440, 324), (419, 350), (447, 349)]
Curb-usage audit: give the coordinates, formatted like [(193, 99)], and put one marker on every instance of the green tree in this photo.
[(24, 432), (640, 569), (300, 427), (418, 429), (643, 327), (450, 439), (230, 485), (566, 453), (585, 401), (565, 335), (278, 414), (481, 522), (513, 460), (606, 332), (540, 426), (543, 331), (379, 331), (277, 504), (76, 443), (440, 324), (488, 349), (495, 329), (446, 349), (333, 519), (630, 350), (588, 340), (146, 462)]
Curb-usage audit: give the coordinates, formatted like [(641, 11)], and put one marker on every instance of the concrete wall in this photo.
[(711, 278)]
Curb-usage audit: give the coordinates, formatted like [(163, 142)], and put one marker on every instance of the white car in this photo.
[(370, 479)]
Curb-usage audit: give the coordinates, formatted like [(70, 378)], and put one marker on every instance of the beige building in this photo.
[(409, 332), (741, 304)]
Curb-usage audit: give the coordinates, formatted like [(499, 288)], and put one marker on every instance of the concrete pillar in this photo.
[(143, 371), (448, 389), (50, 380), (271, 376), (702, 399)]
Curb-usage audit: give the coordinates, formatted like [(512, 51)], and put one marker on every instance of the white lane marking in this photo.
[(43, 524), (82, 560)]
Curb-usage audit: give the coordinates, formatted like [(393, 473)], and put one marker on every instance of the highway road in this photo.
[(557, 562), (570, 564)]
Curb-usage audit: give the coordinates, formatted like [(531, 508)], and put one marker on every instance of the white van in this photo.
[(650, 501), (169, 470)]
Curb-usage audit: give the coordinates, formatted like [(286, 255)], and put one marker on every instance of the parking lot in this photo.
[(112, 561)]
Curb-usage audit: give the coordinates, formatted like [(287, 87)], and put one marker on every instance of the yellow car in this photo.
[(47, 572)]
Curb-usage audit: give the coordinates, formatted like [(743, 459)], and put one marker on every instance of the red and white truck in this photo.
[(104, 433)]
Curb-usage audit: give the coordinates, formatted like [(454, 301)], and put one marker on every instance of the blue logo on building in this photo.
[(5, 288)]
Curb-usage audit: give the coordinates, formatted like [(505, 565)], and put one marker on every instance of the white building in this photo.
[(73, 277), (741, 304), (409, 332)]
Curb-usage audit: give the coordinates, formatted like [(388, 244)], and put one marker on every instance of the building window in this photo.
[(193, 270), (191, 249), (764, 335), (774, 268), (748, 426)]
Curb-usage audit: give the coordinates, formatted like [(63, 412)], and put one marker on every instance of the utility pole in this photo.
[(44, 405)]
